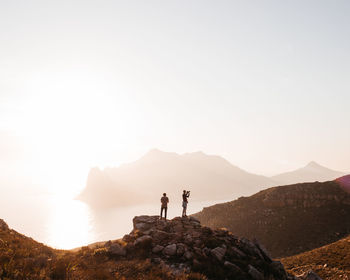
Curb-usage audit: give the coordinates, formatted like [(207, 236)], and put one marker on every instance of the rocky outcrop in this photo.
[(183, 245), (3, 225)]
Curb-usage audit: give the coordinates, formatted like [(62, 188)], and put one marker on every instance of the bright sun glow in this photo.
[(68, 125), (69, 224)]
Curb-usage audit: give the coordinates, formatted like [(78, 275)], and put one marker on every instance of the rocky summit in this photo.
[(183, 245)]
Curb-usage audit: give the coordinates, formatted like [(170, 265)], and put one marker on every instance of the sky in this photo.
[(265, 84)]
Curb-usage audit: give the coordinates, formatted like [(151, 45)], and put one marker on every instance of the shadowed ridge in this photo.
[(287, 219), (344, 182)]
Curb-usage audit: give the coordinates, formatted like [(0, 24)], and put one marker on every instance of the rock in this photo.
[(238, 253), (218, 253), (310, 275), (160, 236), (250, 248), (206, 251), (143, 241), (263, 251), (170, 250), (144, 223), (128, 238), (254, 273), (180, 249), (3, 225), (188, 255), (196, 264), (278, 267), (234, 268), (157, 249), (116, 250), (194, 220), (181, 244), (188, 239)]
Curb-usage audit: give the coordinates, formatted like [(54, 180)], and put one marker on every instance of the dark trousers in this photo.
[(165, 211)]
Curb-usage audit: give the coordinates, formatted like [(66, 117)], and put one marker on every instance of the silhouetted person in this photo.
[(164, 200), (185, 195)]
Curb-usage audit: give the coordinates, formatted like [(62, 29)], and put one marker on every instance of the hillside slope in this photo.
[(210, 177), (155, 249), (330, 262), (287, 220)]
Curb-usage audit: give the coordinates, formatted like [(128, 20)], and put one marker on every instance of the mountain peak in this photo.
[(314, 164)]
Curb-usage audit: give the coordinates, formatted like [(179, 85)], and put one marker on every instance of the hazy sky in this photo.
[(265, 84)]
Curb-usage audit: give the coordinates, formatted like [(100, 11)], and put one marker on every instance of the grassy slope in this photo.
[(24, 258), (330, 262), (284, 230)]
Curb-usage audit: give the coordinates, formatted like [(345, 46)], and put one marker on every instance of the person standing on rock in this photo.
[(164, 201), (185, 195)]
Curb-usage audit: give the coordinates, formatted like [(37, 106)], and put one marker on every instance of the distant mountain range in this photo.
[(287, 220), (310, 173), (209, 177)]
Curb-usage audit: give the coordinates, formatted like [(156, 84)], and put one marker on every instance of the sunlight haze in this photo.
[(264, 84)]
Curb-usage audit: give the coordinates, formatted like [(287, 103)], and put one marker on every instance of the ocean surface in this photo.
[(66, 223)]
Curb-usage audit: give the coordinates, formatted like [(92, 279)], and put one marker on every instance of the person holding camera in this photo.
[(185, 195)]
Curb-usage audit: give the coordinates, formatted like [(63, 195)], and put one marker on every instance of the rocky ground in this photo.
[(183, 245), (330, 262), (155, 249)]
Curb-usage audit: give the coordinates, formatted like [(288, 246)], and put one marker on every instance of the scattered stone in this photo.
[(116, 250), (143, 241), (157, 249), (254, 273), (194, 220), (180, 249), (183, 245), (3, 225), (238, 253), (310, 275), (232, 267), (218, 253), (170, 250), (188, 255), (277, 266)]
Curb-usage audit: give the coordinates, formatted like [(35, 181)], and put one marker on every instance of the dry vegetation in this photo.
[(329, 262), (23, 258)]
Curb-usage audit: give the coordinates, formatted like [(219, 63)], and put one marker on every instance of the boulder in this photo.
[(180, 249), (254, 273), (3, 225), (144, 223), (234, 268), (237, 253), (143, 241), (188, 255), (157, 249), (278, 268), (116, 250), (218, 253), (170, 250)]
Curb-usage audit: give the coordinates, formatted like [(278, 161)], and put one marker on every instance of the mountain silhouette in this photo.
[(310, 173), (209, 177), (287, 220)]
